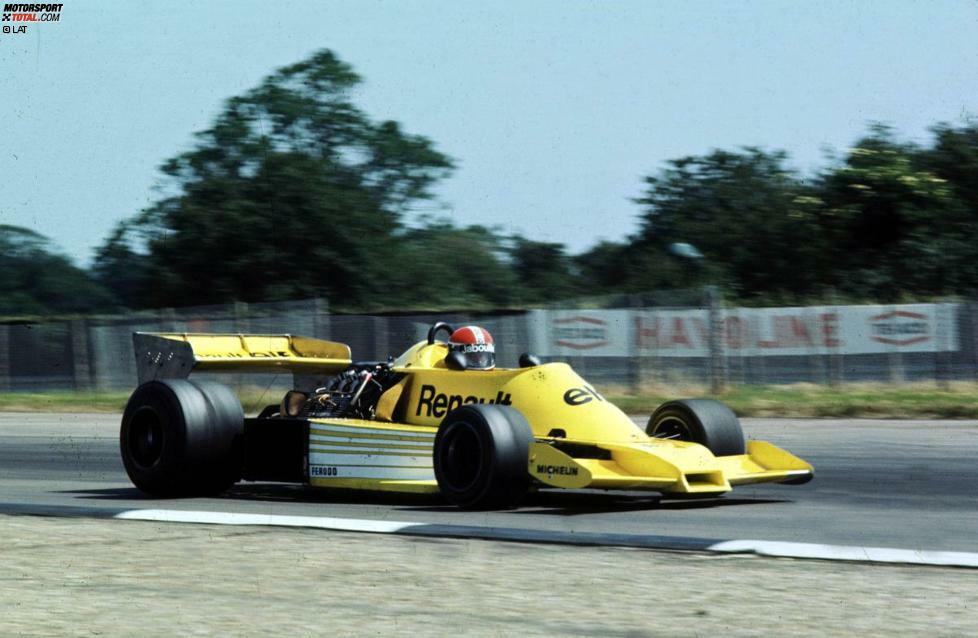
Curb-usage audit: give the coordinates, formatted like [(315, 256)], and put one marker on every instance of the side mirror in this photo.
[(292, 403), (528, 360), (455, 361)]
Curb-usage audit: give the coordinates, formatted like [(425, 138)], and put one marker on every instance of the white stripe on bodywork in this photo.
[(317, 457), (329, 428), (350, 451), (369, 442)]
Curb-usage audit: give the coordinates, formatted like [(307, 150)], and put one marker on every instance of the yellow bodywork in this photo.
[(563, 411), (581, 439), (253, 353)]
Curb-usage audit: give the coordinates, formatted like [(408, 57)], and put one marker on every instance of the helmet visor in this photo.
[(480, 360), (478, 356)]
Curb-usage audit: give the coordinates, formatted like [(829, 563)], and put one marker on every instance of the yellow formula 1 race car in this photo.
[(422, 423)]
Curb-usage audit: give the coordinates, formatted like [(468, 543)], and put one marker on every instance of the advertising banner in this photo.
[(581, 333), (753, 332)]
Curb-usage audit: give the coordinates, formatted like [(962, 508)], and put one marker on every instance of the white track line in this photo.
[(276, 520), (763, 548), (848, 552)]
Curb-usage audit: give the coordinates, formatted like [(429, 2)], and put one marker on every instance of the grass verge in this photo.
[(107, 402), (63, 401), (866, 400), (958, 401)]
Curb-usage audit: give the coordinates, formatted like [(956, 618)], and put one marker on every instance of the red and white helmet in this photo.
[(476, 346)]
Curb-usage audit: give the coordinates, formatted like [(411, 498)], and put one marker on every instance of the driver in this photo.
[(476, 346)]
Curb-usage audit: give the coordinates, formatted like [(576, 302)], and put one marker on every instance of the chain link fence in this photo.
[(686, 336)]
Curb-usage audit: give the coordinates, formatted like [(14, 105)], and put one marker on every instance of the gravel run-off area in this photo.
[(86, 577)]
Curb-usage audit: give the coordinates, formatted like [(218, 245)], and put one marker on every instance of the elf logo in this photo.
[(438, 404), (580, 396)]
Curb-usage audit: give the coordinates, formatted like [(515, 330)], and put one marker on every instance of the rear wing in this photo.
[(175, 355)]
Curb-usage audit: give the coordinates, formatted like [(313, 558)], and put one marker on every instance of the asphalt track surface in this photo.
[(897, 484)]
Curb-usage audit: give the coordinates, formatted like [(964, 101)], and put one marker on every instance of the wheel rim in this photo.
[(461, 456), (145, 440), (671, 427)]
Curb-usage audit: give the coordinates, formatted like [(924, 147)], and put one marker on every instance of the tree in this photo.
[(443, 266), (603, 267), (36, 280), (954, 158), (894, 227), (544, 270), (751, 216), (121, 269), (292, 192)]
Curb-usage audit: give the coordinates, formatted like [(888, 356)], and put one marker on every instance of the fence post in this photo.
[(100, 364), (973, 338), (637, 360), (381, 337), (836, 358), (320, 318), (718, 368), (82, 369), (817, 361), (4, 358), (942, 310), (241, 322), (895, 363), (894, 359), (168, 320)]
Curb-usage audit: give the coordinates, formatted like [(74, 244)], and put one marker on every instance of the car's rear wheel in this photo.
[(480, 456), (704, 421), (182, 438)]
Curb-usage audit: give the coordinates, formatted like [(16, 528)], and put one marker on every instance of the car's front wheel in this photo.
[(480, 456), (704, 421)]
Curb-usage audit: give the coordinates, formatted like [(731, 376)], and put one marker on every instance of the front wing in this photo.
[(665, 466)]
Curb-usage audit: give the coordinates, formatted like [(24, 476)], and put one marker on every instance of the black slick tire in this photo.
[(480, 456), (182, 438), (704, 421)]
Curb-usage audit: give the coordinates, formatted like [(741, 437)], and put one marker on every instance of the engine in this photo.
[(351, 394)]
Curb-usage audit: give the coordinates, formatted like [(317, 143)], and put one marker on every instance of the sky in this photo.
[(553, 111)]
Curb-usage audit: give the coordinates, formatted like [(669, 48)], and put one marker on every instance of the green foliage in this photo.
[(890, 221), (35, 280), (122, 270), (293, 192), (886, 220), (603, 266), (750, 216), (439, 265), (633, 267), (954, 158), (544, 270)]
